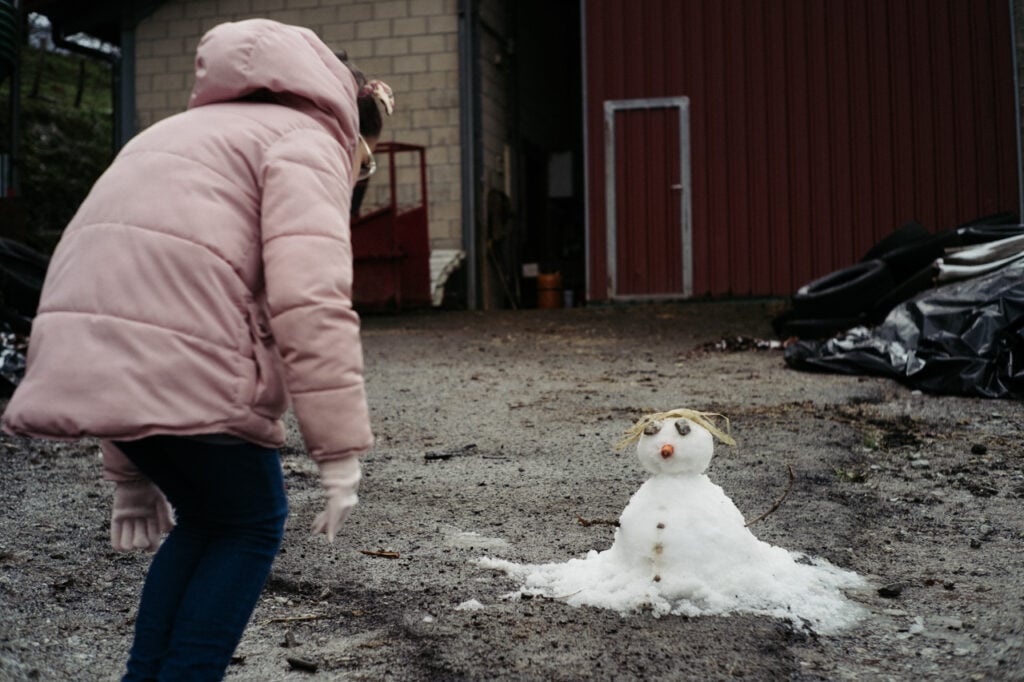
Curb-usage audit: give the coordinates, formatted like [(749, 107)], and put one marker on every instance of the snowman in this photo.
[(682, 546)]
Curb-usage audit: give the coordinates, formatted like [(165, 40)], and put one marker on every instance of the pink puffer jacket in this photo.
[(207, 277)]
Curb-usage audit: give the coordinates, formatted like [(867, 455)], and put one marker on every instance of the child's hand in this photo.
[(141, 514), (340, 478)]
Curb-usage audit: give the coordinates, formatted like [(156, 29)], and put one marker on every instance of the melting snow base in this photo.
[(682, 548)]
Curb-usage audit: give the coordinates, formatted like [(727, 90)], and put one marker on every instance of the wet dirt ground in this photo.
[(495, 438)]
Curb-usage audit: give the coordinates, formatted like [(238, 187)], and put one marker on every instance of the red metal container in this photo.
[(391, 242)]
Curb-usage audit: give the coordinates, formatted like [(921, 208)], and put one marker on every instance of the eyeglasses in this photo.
[(369, 166)]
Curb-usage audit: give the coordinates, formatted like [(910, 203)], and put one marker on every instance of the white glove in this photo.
[(141, 514), (340, 478)]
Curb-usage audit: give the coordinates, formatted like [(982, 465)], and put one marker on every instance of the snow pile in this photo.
[(682, 548)]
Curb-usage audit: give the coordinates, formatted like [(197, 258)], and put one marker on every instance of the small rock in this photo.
[(949, 585), (302, 664), (975, 543), (919, 464), (890, 591), (950, 623)]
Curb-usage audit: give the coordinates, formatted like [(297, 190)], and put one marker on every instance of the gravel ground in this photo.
[(495, 438)]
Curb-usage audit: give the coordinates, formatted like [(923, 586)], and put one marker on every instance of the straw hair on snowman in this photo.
[(703, 419)]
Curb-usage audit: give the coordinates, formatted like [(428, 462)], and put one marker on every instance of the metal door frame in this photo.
[(611, 107)]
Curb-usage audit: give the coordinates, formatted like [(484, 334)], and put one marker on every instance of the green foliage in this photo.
[(65, 151), (66, 137)]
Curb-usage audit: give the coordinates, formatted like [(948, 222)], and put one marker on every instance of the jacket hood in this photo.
[(236, 59)]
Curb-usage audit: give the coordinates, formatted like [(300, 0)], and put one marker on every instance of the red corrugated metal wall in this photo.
[(816, 127)]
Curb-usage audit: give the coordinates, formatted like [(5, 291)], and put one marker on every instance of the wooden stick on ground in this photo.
[(595, 522), (296, 619), (778, 502)]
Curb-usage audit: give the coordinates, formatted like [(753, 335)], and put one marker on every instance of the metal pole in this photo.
[(587, 217), (13, 169), (124, 116), (1016, 98), (468, 130)]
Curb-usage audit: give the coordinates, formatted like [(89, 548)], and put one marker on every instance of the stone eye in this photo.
[(652, 429), (682, 426)]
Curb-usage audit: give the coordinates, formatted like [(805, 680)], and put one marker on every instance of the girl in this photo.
[(204, 282)]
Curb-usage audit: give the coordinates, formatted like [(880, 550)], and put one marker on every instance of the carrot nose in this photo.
[(667, 450)]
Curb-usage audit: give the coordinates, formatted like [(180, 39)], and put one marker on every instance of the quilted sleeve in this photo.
[(116, 466), (307, 260)]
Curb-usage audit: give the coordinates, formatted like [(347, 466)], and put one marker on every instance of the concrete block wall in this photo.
[(410, 44)]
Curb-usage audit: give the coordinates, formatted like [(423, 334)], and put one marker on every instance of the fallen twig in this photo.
[(380, 553), (596, 522), (778, 502), (295, 619), (434, 455)]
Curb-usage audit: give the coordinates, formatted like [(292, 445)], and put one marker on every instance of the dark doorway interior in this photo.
[(547, 135)]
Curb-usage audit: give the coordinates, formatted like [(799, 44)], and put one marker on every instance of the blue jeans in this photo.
[(230, 507)]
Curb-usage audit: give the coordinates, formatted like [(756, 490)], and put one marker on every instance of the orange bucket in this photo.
[(549, 290)]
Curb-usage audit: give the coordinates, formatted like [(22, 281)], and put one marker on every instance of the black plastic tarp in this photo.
[(963, 338)]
